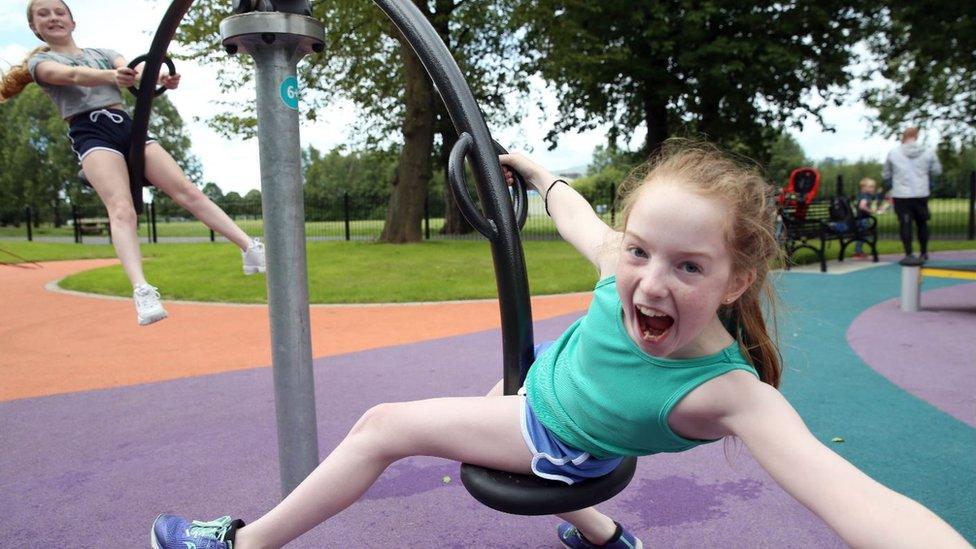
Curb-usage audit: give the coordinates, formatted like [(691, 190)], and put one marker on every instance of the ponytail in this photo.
[(753, 335), (18, 77)]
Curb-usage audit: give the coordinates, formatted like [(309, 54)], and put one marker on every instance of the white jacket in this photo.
[(909, 167)]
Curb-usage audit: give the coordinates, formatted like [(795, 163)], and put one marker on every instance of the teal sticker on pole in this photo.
[(289, 92)]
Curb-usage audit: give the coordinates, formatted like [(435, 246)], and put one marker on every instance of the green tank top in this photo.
[(597, 391)]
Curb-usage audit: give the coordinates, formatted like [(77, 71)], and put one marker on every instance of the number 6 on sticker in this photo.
[(289, 92)]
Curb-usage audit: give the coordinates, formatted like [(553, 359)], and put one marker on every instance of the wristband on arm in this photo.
[(545, 199)]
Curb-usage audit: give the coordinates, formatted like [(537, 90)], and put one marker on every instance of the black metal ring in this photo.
[(455, 172), (135, 62)]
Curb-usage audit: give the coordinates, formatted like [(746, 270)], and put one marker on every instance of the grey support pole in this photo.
[(911, 287), (277, 41)]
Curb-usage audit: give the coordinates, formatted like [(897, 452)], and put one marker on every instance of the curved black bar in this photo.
[(509, 261), (150, 73), (455, 175), (161, 89), (455, 172)]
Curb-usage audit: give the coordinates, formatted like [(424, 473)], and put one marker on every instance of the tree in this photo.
[(733, 71), (36, 161), (927, 53), (38, 167), (785, 155), (367, 62)]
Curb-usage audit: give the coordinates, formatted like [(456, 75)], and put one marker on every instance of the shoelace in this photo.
[(145, 295), (256, 244), (117, 118), (215, 529)]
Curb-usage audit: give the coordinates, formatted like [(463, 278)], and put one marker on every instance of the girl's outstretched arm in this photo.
[(170, 81), (59, 74), (862, 511), (575, 219)]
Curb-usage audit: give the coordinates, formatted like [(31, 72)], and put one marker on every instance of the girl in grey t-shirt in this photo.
[(84, 84)]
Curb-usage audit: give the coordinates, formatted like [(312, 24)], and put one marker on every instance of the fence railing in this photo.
[(953, 217)]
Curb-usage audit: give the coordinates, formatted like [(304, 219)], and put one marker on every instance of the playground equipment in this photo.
[(277, 34), (912, 273)]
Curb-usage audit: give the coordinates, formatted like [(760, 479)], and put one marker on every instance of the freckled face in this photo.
[(51, 19), (673, 272)]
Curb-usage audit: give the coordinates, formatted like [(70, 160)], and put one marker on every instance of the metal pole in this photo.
[(155, 229), (30, 230), (911, 287), (74, 215), (840, 185), (971, 234), (277, 41), (345, 212), (427, 215)]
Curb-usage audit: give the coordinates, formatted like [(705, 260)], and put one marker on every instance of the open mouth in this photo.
[(654, 325)]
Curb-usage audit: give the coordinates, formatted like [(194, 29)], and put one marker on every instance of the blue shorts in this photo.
[(101, 130), (555, 460)]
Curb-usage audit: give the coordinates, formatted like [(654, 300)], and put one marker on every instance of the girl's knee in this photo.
[(376, 420), (382, 431), (121, 215), (187, 195)]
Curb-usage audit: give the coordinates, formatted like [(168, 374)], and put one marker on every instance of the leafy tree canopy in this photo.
[(362, 66), (734, 71), (927, 52)]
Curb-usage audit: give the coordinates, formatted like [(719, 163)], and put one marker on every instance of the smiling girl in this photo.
[(84, 84), (672, 353)]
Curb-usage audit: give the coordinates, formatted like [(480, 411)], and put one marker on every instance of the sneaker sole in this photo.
[(253, 270), (153, 542), (153, 318), (639, 544)]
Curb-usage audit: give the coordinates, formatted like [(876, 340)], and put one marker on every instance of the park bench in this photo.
[(812, 225), (94, 225)]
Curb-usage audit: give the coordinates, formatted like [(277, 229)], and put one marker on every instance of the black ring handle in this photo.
[(455, 171), (520, 198), (169, 65)]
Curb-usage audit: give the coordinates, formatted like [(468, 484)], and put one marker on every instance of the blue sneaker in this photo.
[(571, 538), (172, 532)]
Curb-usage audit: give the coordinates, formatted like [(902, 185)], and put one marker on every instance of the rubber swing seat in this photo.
[(530, 495)]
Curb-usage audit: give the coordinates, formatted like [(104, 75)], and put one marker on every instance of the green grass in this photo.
[(346, 272), (12, 250)]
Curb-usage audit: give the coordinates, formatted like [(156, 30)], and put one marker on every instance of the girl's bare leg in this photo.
[(167, 176), (480, 430), (594, 525), (109, 176)]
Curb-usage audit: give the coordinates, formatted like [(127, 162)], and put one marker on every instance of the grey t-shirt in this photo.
[(72, 100)]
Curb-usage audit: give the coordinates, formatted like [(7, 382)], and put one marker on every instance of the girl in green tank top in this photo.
[(673, 352)]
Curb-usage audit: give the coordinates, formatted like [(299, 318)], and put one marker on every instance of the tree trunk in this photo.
[(656, 118), (454, 222), (406, 207)]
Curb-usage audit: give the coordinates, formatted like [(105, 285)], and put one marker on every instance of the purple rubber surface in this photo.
[(900, 346), (93, 469)]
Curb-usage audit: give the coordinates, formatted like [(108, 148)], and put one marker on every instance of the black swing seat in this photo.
[(531, 495)]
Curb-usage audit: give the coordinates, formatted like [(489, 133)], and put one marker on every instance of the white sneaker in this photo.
[(148, 307), (254, 261)]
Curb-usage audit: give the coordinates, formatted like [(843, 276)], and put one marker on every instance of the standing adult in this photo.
[(908, 170)]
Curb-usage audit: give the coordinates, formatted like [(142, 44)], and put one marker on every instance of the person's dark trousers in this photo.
[(917, 210)]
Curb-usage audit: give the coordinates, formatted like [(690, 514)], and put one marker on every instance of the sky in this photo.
[(127, 26)]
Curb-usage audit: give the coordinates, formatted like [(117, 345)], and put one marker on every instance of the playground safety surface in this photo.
[(104, 423)]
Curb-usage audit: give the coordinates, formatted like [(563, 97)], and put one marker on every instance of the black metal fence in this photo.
[(350, 217)]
